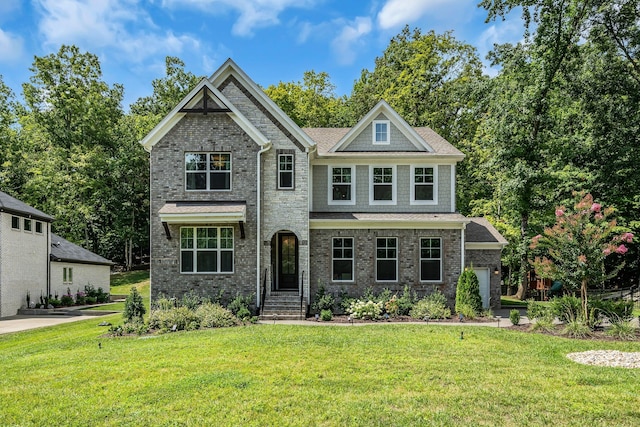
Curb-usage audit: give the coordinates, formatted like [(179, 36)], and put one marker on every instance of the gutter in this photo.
[(264, 149)]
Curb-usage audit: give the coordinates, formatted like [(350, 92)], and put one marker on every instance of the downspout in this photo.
[(264, 148), (310, 151), (464, 226)]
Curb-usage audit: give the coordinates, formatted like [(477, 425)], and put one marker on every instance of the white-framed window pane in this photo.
[(423, 180), (15, 222), (381, 132), (206, 249), (430, 259), (38, 227), (386, 259), (382, 183), (207, 261), (186, 261), (341, 184), (27, 225), (226, 261), (285, 171), (342, 262), (208, 171), (424, 192)]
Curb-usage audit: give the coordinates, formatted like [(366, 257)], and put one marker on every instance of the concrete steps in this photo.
[(283, 306)]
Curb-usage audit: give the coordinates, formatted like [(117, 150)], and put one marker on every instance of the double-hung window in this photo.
[(285, 171), (208, 171), (381, 132), (27, 225), (206, 249), (386, 259), (382, 190), (38, 227), (341, 185), (430, 259), (424, 185), (342, 264), (15, 222), (67, 276)]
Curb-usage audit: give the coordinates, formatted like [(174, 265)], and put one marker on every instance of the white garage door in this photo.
[(483, 278)]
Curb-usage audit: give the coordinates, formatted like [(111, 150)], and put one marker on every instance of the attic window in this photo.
[(381, 132)]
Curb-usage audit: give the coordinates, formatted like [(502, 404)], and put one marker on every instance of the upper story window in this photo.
[(208, 171), (285, 170), (206, 250), (341, 185), (27, 225), (15, 222), (424, 186), (382, 188), (38, 227), (381, 132), (430, 259)]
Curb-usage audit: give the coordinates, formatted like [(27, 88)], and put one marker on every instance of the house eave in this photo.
[(484, 245), (336, 224)]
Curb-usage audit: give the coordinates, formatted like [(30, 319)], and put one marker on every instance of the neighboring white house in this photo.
[(32, 259), (73, 267)]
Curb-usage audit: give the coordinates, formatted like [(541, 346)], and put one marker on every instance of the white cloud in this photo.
[(108, 24), (11, 47), (398, 13), (253, 14), (345, 43)]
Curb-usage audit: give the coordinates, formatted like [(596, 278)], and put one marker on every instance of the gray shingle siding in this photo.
[(364, 141)]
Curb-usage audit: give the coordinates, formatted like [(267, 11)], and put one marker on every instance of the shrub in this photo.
[(467, 311), (238, 303), (577, 328), (622, 330), (80, 298), (613, 310), (163, 303), (191, 300), (243, 313), (67, 300), (544, 324), (133, 306), (181, 317), (213, 315), (369, 310), (566, 308), (55, 302), (406, 301), (136, 326), (89, 300), (391, 306), (536, 310), (102, 296), (468, 293), (323, 300), (326, 315), (433, 306), (514, 316)]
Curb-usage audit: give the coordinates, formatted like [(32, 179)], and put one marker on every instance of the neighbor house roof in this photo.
[(12, 205), (63, 250), (481, 234)]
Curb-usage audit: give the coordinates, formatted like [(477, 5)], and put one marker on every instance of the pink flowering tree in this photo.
[(575, 248)]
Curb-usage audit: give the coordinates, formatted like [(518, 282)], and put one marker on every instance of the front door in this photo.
[(287, 261)]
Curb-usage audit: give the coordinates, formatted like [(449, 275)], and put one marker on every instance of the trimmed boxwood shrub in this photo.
[(468, 293)]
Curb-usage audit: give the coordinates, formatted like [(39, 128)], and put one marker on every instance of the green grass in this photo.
[(121, 284), (374, 375), (511, 302)]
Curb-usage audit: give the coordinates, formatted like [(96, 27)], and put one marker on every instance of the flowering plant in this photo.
[(370, 310), (574, 249)]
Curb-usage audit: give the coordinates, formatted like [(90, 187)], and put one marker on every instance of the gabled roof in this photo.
[(63, 250), (481, 234), (191, 100), (12, 205), (382, 108), (231, 69)]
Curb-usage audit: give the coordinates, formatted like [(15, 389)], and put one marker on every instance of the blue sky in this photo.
[(272, 40)]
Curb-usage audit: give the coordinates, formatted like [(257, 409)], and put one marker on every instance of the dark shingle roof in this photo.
[(479, 230), (65, 251), (12, 205)]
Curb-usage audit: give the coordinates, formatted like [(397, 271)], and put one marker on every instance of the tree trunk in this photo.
[(583, 296), (524, 261)]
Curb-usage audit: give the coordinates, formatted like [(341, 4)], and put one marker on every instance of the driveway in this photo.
[(23, 323)]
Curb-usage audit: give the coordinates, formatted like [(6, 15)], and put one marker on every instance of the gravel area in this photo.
[(617, 359)]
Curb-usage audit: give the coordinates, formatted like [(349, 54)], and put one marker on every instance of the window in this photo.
[(285, 171), (38, 227), (387, 259), (342, 264), (206, 249), (27, 225), (430, 260), (381, 132), (341, 185), (15, 222), (423, 185), (208, 171), (67, 276), (383, 186)]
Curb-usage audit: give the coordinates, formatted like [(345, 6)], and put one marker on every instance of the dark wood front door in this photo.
[(287, 261)]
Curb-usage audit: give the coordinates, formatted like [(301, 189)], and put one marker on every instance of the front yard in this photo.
[(381, 374)]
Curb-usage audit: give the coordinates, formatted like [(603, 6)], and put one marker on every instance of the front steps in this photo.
[(283, 306)]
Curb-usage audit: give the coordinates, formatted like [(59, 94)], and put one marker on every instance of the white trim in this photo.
[(330, 200), (293, 168), (484, 246), (453, 187), (202, 218), (390, 157), (351, 224), (24, 225), (353, 258), (264, 148), (463, 247), (412, 189), (19, 223), (394, 185), (374, 124), (218, 250), (396, 259), (208, 172), (426, 259)]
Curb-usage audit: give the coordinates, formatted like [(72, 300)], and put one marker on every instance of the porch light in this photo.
[(496, 271)]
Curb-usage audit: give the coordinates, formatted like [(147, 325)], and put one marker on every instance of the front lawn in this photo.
[(121, 284), (380, 374)]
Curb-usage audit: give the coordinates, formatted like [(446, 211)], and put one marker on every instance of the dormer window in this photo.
[(381, 132)]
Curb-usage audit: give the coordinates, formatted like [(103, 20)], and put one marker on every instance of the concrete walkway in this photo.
[(23, 323)]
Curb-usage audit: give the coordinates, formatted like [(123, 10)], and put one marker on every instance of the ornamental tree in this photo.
[(576, 246)]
